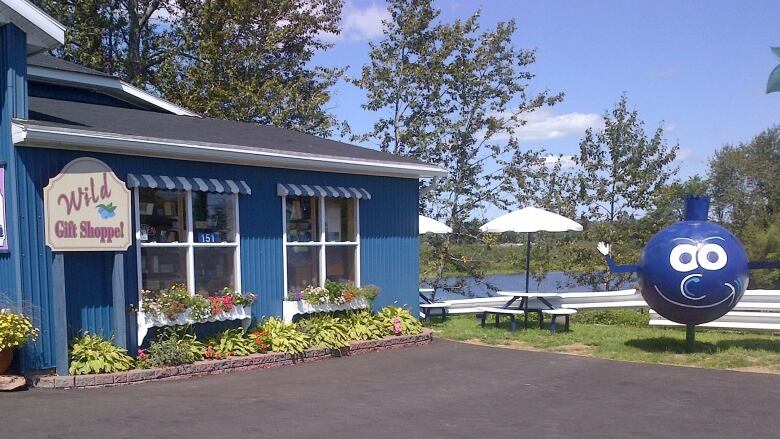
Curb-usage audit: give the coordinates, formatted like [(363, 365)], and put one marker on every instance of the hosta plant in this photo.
[(325, 331), (16, 329), (91, 353), (398, 321), (285, 337), (230, 343), (362, 325)]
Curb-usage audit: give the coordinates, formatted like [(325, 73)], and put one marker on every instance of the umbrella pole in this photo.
[(527, 261)]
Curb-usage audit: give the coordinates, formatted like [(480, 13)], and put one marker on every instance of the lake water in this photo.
[(553, 281)]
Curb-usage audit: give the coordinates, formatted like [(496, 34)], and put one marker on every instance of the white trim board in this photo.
[(86, 80), (63, 138)]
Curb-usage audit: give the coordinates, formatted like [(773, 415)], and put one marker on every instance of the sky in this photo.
[(699, 68)]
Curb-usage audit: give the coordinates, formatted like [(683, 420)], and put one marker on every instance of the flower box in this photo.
[(148, 321), (291, 308)]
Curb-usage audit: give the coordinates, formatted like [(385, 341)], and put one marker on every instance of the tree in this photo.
[(248, 60), (621, 173), (745, 188), (126, 38), (452, 95), (242, 60), (745, 182)]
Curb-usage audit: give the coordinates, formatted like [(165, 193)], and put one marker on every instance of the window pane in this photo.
[(340, 219), (340, 263), (163, 267), (163, 215), (214, 269), (214, 217), (302, 219), (303, 267)]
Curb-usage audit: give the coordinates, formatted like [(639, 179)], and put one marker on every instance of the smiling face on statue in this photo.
[(693, 272)]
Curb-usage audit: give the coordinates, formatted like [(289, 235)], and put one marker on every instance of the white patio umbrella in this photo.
[(430, 225), (529, 220)]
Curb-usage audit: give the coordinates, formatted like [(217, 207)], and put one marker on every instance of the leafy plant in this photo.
[(285, 337), (262, 340), (230, 343), (173, 347), (16, 329), (362, 325), (91, 353), (398, 321), (325, 332), (169, 302)]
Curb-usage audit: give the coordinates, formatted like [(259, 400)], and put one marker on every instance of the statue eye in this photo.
[(683, 258), (712, 257)]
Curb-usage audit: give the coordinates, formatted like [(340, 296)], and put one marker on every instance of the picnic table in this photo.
[(523, 308)]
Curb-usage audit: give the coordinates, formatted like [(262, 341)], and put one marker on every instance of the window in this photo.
[(321, 241), (188, 237)]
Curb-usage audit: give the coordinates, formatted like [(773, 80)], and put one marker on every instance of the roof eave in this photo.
[(62, 138), (43, 32), (108, 83)]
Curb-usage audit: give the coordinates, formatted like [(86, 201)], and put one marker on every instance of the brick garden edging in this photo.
[(217, 367)]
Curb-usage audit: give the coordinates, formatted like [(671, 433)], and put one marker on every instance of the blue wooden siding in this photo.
[(388, 229), (13, 103)]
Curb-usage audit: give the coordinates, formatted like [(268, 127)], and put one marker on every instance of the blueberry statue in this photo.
[(693, 271)]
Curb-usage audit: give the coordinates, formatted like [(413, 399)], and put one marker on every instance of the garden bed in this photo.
[(217, 367)]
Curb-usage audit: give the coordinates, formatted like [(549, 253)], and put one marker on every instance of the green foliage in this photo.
[(362, 325), (230, 343), (285, 337), (763, 244), (91, 353), (613, 317), (173, 347), (398, 321), (16, 329), (621, 172), (253, 61), (325, 331)]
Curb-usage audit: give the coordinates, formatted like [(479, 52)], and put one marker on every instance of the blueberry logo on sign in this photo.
[(693, 271), (106, 211)]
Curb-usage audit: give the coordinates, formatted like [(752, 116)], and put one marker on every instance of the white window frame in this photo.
[(322, 243), (191, 245)]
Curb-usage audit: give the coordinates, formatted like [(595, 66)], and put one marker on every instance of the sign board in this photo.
[(3, 223), (87, 208)]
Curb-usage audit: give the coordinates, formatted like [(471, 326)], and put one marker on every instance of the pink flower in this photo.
[(141, 354)]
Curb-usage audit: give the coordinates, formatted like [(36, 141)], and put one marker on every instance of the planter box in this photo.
[(291, 308), (146, 322), (229, 365)]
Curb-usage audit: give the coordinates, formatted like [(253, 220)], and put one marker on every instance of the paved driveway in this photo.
[(446, 389)]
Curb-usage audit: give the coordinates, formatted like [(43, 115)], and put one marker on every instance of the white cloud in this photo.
[(567, 161), (545, 125), (359, 24), (683, 154)]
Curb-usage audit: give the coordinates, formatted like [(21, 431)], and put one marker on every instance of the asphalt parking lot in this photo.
[(445, 389)]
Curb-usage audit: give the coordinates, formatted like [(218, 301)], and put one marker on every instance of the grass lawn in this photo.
[(625, 335)]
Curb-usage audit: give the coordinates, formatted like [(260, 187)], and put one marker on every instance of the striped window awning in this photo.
[(188, 183), (285, 189)]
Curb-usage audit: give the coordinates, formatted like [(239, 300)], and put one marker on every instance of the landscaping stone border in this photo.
[(218, 367)]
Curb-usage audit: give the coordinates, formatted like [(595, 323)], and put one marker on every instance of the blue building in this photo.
[(210, 203)]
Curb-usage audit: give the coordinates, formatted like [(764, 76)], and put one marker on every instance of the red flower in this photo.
[(227, 302)]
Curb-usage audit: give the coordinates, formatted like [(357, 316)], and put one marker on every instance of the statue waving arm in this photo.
[(613, 267)]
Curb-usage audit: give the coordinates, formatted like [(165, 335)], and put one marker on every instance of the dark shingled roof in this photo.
[(108, 119), (48, 61)]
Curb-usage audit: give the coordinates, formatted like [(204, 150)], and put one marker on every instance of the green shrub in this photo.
[(395, 320), (362, 325), (173, 347), (91, 353), (284, 337), (230, 343), (621, 317), (325, 332)]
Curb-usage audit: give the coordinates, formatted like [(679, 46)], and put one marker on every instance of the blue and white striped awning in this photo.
[(299, 190), (188, 183)]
